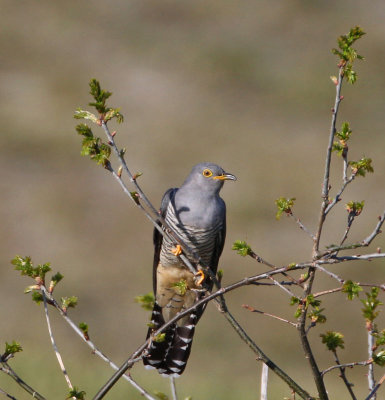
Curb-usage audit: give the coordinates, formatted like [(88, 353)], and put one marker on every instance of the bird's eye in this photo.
[(207, 173)]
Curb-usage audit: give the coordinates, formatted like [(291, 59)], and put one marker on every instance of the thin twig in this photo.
[(374, 390), (371, 379), (301, 225), (347, 365), (7, 394), (6, 368), (252, 309), (94, 349), (343, 376), (173, 388), (55, 348), (264, 381), (325, 184)]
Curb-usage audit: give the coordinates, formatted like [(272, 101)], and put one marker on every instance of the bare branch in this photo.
[(252, 309), (5, 367), (374, 390), (55, 348), (301, 225)]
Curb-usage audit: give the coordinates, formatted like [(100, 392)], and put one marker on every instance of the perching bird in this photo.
[(197, 214)]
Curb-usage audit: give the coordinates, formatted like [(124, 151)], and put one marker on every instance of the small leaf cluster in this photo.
[(315, 314), (100, 97), (84, 328), (146, 301), (242, 248), (340, 146), (69, 302), (347, 54), (352, 289), (10, 350), (180, 287), (371, 303), (26, 267), (93, 146), (333, 340), (284, 206), (355, 207), (362, 166), (77, 394)]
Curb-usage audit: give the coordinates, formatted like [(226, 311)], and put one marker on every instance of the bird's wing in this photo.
[(219, 244), (157, 236)]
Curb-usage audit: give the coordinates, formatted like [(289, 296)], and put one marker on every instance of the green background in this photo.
[(245, 84)]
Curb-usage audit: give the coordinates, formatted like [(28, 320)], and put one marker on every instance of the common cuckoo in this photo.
[(197, 214)]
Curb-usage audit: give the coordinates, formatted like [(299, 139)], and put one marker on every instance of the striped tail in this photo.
[(170, 356)]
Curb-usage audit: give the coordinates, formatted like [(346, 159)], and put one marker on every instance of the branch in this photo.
[(325, 185), (252, 309), (9, 371), (374, 390), (347, 365), (87, 340), (7, 395), (56, 350), (246, 281), (301, 225)]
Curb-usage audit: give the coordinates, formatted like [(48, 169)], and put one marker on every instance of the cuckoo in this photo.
[(197, 214)]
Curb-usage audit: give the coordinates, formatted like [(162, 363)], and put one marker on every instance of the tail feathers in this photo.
[(170, 356)]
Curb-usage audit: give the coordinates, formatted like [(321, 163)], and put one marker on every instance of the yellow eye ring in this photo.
[(207, 173)]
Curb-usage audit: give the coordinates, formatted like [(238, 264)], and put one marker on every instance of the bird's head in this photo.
[(208, 177)]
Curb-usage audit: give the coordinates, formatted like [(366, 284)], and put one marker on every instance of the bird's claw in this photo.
[(177, 250), (199, 277)]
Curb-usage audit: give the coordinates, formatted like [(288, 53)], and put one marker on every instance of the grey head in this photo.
[(197, 202), (207, 178)]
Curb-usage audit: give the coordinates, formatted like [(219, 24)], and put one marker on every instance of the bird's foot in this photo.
[(177, 250), (199, 277)]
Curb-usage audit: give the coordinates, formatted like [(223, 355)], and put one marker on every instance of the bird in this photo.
[(197, 215)]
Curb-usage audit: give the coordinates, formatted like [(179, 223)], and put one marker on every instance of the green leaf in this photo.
[(352, 289), (25, 266), (37, 297), (355, 207), (84, 328), (69, 302), (362, 166), (11, 349), (161, 337), (180, 287), (333, 340), (316, 316), (242, 248), (371, 303), (379, 358), (100, 96), (347, 54), (113, 113), (78, 394), (147, 301), (380, 338), (284, 206), (160, 395), (83, 114)]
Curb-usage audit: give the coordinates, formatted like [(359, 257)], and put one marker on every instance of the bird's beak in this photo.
[(225, 177)]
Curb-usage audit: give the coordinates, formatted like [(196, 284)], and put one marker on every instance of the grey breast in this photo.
[(202, 240)]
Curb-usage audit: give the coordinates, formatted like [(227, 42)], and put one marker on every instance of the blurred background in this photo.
[(243, 84)]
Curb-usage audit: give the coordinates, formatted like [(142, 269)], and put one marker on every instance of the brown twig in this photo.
[(252, 309)]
